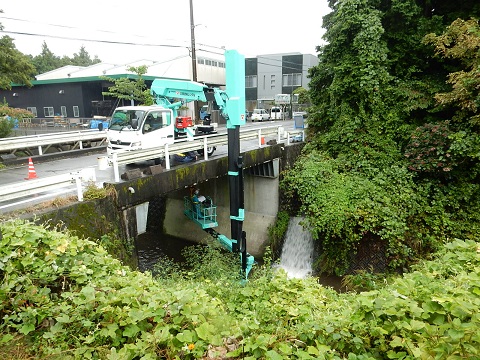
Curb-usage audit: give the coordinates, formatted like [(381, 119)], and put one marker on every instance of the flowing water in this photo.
[(151, 247), (297, 251)]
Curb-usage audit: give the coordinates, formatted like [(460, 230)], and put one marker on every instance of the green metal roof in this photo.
[(89, 78)]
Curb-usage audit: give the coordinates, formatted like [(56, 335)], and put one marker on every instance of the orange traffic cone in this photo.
[(31, 170)]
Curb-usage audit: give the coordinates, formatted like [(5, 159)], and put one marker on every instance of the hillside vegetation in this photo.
[(393, 153)]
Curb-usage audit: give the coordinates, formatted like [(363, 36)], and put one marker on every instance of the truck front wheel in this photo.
[(210, 151)]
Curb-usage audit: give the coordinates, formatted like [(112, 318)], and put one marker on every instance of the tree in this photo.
[(14, 66), (82, 58), (303, 97), (47, 60), (461, 41), (130, 89), (373, 97)]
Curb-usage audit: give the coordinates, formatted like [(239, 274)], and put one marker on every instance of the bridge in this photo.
[(135, 197)]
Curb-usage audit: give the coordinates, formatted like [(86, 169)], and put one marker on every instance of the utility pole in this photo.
[(194, 57)]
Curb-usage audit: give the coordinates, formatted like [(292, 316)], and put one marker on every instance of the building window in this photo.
[(272, 82), (48, 111), (292, 80), (208, 62), (221, 64), (63, 111), (33, 110), (251, 81), (76, 112), (201, 61)]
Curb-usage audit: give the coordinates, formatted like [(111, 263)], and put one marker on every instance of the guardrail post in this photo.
[(115, 167), (167, 157), (279, 134), (80, 145), (78, 182), (40, 150), (288, 138), (205, 146)]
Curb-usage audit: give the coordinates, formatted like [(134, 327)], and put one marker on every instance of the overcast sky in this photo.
[(252, 27)]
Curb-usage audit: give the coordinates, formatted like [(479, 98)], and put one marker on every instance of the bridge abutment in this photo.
[(261, 207)]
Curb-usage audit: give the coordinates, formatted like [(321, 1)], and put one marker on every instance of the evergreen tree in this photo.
[(47, 60), (82, 58)]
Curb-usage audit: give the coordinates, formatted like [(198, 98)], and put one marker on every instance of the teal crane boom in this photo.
[(232, 106), (172, 94)]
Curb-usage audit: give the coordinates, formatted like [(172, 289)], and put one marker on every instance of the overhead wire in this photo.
[(282, 63)]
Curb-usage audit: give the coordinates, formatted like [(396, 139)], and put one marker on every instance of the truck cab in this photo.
[(140, 127)]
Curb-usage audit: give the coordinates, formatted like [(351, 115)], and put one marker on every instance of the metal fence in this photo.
[(43, 141)]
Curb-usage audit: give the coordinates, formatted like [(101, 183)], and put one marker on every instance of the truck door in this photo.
[(158, 129)]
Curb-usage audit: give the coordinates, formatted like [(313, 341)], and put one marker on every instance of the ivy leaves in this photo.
[(96, 308)]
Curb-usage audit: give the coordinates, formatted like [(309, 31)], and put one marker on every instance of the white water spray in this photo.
[(297, 252)]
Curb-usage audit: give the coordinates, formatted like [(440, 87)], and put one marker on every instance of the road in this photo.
[(43, 169)]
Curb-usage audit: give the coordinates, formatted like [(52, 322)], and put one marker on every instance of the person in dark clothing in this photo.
[(186, 157)]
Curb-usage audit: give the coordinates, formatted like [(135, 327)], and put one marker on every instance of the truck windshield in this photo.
[(123, 119)]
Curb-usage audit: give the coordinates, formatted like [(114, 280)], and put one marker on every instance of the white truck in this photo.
[(143, 127)]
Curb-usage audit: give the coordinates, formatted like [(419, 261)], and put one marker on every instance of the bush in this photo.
[(64, 297), (6, 127), (8, 117)]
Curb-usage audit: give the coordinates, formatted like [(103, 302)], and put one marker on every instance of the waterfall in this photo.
[(297, 251)]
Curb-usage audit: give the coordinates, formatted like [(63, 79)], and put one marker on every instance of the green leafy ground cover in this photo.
[(63, 297)]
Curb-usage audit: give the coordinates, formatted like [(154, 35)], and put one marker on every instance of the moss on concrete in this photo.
[(97, 220)]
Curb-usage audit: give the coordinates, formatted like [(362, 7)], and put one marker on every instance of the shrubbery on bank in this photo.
[(65, 297)]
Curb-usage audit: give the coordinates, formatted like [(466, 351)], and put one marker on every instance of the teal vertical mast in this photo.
[(235, 105)]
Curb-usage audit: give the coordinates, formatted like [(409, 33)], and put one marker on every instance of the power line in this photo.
[(77, 28), (100, 31), (93, 40), (280, 61)]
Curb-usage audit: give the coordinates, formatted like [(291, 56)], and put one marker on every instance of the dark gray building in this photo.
[(269, 75)]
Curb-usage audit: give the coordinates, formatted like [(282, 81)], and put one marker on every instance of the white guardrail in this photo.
[(39, 141), (124, 157), (59, 184), (68, 183)]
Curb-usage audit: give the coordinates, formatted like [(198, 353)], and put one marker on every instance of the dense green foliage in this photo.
[(8, 117), (130, 88), (14, 66), (18, 68), (393, 130), (277, 231), (62, 297), (48, 61)]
